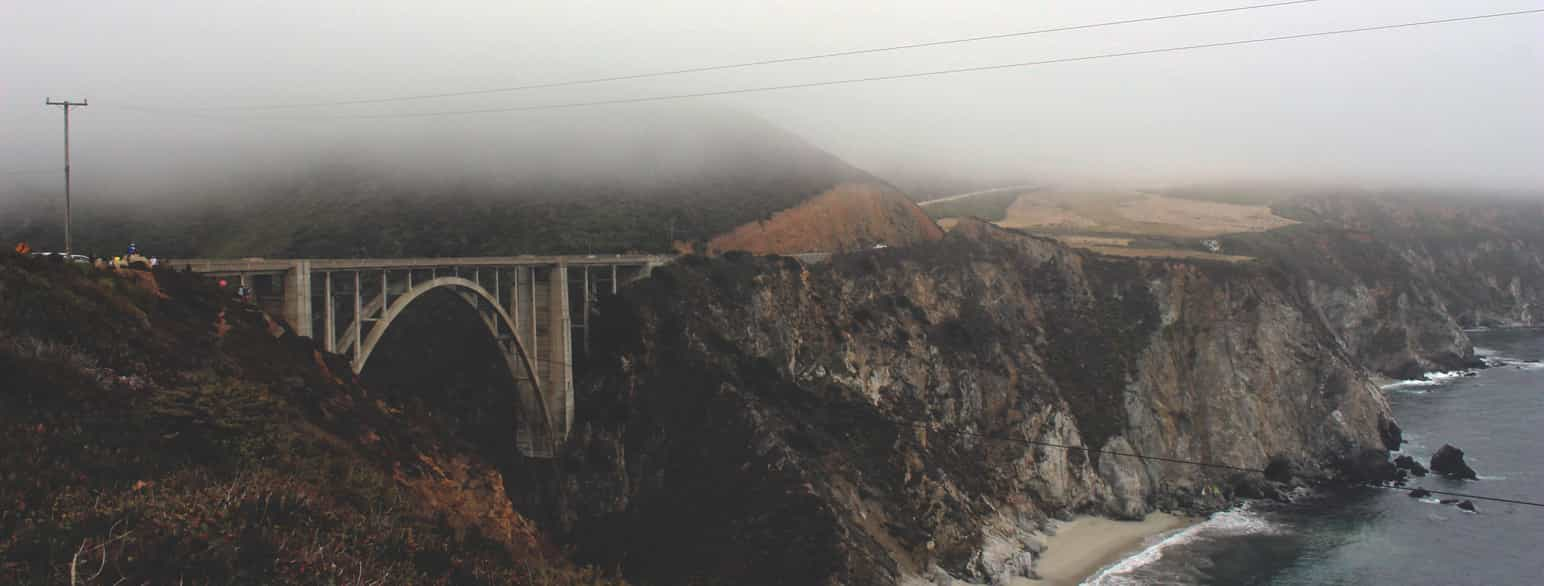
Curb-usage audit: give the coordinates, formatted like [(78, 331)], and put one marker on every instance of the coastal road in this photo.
[(975, 193)]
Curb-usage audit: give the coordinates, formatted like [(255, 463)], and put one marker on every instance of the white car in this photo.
[(72, 258)]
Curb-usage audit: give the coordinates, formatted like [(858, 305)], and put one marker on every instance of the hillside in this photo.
[(609, 186), (756, 420), (1116, 222), (154, 432), (744, 419), (1401, 277), (847, 217)]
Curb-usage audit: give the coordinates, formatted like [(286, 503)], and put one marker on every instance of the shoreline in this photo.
[(1085, 545)]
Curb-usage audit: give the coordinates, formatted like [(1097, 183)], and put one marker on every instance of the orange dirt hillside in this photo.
[(846, 217)]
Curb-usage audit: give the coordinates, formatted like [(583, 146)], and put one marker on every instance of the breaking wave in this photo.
[(1229, 523), (1430, 379)]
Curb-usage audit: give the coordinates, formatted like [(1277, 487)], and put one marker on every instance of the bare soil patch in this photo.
[(849, 216), (1137, 214)]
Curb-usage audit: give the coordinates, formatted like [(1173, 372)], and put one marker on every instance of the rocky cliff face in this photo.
[(898, 412), (1484, 257), (1399, 279)]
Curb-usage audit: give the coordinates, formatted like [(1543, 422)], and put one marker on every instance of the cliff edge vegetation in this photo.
[(157, 432)]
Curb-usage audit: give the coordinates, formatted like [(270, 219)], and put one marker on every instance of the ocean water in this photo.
[(1370, 536)]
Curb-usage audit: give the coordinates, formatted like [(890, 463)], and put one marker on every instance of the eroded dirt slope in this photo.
[(849, 216)]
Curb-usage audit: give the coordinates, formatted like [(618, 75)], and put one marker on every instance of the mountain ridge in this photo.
[(641, 185)]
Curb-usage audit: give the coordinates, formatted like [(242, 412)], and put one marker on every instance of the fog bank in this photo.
[(1443, 106)]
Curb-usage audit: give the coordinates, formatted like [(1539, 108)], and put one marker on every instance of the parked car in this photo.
[(72, 258)]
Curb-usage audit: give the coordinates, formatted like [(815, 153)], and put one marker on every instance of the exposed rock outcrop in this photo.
[(1409, 464), (1387, 316), (1483, 256), (1449, 462), (901, 412), (1399, 278)]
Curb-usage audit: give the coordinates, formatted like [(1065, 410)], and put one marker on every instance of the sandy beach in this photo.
[(1085, 544)]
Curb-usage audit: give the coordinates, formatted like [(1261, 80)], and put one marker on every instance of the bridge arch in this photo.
[(315, 296), (537, 433)]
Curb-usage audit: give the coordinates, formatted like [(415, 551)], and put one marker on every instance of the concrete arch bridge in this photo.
[(537, 309)]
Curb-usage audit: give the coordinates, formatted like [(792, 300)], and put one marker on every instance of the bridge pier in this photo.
[(297, 297), (560, 363), (329, 321)]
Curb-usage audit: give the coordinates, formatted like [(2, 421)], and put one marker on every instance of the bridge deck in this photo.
[(279, 265)]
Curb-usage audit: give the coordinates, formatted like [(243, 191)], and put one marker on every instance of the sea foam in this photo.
[(1232, 522), (1428, 380)]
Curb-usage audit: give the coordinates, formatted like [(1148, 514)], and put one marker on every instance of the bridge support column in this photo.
[(518, 282), (359, 320), (329, 321), (559, 383), (584, 312), (297, 297)]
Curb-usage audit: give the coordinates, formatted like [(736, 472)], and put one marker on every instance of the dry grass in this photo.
[(1164, 253), (1137, 224), (1200, 218), (1136, 214), (143, 444), (1092, 241)]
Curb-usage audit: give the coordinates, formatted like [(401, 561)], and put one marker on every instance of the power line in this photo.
[(25, 172), (1024, 64), (929, 426), (748, 64), (1465, 495)]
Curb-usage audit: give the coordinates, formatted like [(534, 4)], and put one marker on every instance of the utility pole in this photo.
[(67, 105)]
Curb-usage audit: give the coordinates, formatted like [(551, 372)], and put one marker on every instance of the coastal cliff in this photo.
[(902, 413), (1399, 279), (1482, 256)]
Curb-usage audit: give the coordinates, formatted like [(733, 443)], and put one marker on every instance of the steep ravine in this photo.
[(757, 420)]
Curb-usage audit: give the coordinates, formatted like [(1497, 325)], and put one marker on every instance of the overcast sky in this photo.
[(1447, 105)]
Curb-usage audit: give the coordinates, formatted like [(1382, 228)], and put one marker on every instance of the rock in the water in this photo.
[(1467, 506), (1390, 433), (1408, 463), (1420, 493), (1449, 462)]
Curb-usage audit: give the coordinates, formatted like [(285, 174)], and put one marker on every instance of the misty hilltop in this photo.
[(660, 179)]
